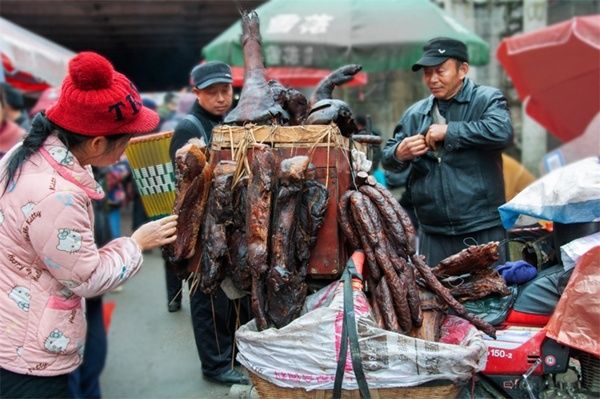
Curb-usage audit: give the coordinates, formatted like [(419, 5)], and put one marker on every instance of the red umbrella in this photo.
[(556, 71), (296, 77)]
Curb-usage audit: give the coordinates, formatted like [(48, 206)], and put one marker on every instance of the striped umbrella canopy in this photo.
[(381, 35)]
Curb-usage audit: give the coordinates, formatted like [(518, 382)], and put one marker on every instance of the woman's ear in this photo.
[(97, 145)]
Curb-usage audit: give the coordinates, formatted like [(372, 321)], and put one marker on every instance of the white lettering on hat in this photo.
[(441, 51)]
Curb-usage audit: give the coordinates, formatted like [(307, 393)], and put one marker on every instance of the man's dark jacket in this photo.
[(186, 129), (458, 188)]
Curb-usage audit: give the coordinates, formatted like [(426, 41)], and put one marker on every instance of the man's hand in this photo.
[(411, 147), (435, 134)]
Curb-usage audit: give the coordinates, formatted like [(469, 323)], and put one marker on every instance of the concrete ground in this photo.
[(151, 352)]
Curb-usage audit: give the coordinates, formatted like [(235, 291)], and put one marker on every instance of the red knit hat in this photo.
[(96, 100)]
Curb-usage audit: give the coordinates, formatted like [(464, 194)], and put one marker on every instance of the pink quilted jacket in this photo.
[(49, 262)]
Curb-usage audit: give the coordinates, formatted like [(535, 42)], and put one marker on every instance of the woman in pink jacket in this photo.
[(48, 257)]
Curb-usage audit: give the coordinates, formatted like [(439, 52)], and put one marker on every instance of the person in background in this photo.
[(48, 255), (168, 108), (10, 132), (184, 106), (15, 107), (364, 127), (212, 85), (453, 142), (116, 176)]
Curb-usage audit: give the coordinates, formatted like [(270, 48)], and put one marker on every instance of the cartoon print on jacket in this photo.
[(65, 292), (124, 272), (69, 283), (61, 155), (65, 198), (68, 240), (21, 296), (57, 341), (27, 208), (50, 263)]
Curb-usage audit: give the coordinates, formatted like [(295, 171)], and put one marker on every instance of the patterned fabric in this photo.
[(155, 179), (49, 262)]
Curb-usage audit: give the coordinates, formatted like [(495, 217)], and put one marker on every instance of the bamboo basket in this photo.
[(446, 390), (302, 136), (152, 171)]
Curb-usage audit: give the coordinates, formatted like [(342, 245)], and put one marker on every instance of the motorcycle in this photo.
[(524, 362)]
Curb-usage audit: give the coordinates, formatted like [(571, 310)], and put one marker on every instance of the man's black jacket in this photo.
[(186, 129), (458, 189)]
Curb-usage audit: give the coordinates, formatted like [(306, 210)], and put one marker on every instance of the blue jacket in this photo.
[(457, 189)]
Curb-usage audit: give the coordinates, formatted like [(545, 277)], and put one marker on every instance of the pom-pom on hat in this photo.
[(96, 100)]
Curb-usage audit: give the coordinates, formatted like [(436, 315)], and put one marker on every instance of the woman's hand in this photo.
[(156, 233)]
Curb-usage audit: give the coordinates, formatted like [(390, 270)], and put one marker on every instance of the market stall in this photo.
[(274, 207)]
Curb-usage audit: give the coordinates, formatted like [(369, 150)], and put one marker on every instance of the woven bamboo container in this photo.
[(225, 136), (152, 171), (267, 390)]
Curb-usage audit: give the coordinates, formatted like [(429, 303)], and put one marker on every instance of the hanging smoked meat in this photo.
[(219, 215), (324, 109), (286, 289), (256, 103), (310, 215), (471, 259), (260, 188), (190, 161), (236, 238), (291, 100), (324, 89)]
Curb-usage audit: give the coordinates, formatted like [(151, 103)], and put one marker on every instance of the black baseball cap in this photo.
[(209, 73), (438, 50)]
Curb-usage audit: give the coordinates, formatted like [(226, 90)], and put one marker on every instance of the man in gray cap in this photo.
[(212, 85), (453, 141), (213, 316)]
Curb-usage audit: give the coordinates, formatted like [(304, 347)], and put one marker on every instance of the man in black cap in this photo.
[(453, 141), (213, 316)]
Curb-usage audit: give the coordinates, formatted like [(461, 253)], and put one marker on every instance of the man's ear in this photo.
[(463, 69)]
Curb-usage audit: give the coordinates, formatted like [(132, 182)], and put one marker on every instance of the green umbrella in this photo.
[(380, 35)]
